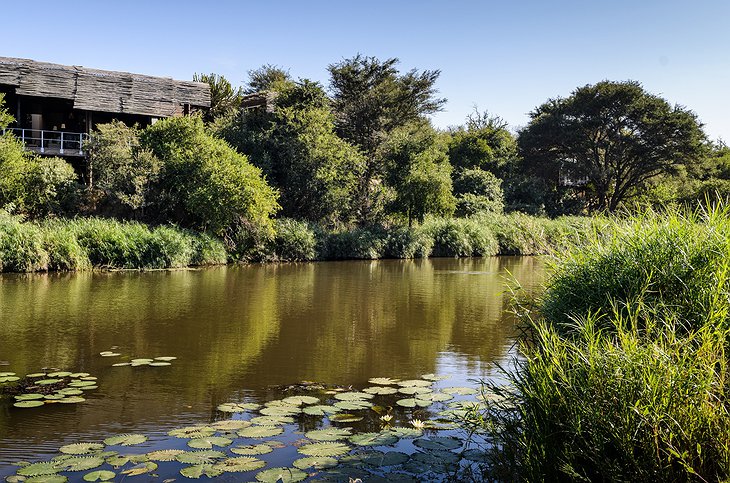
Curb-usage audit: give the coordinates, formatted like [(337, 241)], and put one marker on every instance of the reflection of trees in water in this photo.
[(247, 327)]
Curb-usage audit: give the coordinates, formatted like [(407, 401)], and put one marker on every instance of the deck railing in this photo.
[(51, 142)]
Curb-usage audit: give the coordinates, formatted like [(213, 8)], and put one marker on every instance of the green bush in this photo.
[(405, 242), (359, 243), (21, 245), (293, 241), (464, 237), (478, 191)]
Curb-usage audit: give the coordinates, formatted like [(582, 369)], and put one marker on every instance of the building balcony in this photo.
[(51, 143)]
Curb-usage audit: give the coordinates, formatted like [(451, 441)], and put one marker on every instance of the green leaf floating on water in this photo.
[(100, 475), (208, 442), (415, 383), (240, 464), (252, 449), (29, 397), (81, 463), (79, 383), (165, 358), (406, 433), (120, 364), (6, 374), (9, 379), (413, 402), (433, 377), (47, 479), (197, 471), (78, 374), (373, 439), (48, 382), (390, 458), (320, 410), (81, 448), (329, 434), (411, 390), (476, 455), (283, 410), (316, 462), (439, 443), (271, 420), (461, 391), (281, 475), (345, 418), (59, 374), (238, 407), (231, 424), (159, 364), (385, 381), (126, 440), (141, 361), (35, 375), (39, 469), (72, 399), (70, 391), (260, 431), (353, 396), (324, 449), (28, 404), (164, 454), (353, 405), (300, 400), (140, 469), (199, 457), (380, 390), (436, 397), (192, 432), (109, 354)]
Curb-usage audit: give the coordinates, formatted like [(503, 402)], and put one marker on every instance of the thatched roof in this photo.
[(103, 90)]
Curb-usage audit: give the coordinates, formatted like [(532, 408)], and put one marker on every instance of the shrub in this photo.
[(405, 242), (478, 191), (460, 238), (359, 243), (21, 245)]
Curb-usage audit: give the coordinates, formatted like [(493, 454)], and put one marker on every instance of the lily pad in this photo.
[(380, 390), (433, 377), (238, 407), (71, 400), (320, 410), (165, 358), (461, 391), (281, 475), (437, 461), (141, 469), (159, 364), (196, 471), (345, 418), (329, 434), (77, 374), (120, 364), (252, 449), (281, 410), (100, 475), (59, 374), (192, 432), (70, 391), (6, 374), (230, 424), (81, 448), (316, 462), (109, 354), (390, 458), (46, 479), (415, 383), (476, 455), (405, 433), (78, 383), (48, 382), (28, 404), (411, 390), (81, 463), (208, 442), (9, 379), (413, 402), (353, 396), (35, 375), (436, 397), (164, 454), (126, 440), (260, 431), (385, 381), (353, 405), (39, 469), (373, 439), (439, 443), (240, 464), (29, 397), (141, 361), (272, 420), (324, 449), (300, 400), (199, 457)]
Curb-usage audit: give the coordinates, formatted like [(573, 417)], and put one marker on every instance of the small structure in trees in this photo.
[(57, 106)]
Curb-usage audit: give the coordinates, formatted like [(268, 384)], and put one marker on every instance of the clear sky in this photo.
[(504, 56)]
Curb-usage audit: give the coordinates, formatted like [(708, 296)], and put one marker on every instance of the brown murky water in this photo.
[(238, 330)]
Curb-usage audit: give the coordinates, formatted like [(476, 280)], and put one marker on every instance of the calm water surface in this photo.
[(239, 330)]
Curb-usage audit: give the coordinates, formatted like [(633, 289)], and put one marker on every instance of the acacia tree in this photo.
[(608, 139), (370, 99)]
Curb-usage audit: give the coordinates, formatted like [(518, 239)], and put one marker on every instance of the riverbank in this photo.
[(624, 369), (100, 243)]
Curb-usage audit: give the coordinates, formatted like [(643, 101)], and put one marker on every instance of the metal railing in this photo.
[(51, 142)]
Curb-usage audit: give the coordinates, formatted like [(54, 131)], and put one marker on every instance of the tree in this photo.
[(371, 99), (268, 77), (120, 169), (606, 140), (205, 183), (478, 191), (484, 143), (419, 173), (224, 98)]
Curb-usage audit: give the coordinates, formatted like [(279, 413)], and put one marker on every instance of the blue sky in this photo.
[(505, 57)]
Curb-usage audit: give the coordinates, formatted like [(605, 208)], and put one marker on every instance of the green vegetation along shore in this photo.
[(624, 368), (88, 243)]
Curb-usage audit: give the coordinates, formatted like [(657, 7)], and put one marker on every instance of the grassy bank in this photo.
[(85, 243), (624, 376)]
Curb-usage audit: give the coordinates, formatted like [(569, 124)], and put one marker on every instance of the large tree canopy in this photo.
[(607, 139)]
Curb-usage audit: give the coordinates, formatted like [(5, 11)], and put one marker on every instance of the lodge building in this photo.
[(56, 106)]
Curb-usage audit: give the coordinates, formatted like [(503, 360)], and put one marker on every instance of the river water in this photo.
[(236, 331)]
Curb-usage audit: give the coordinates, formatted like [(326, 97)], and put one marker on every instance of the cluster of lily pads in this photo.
[(41, 388), (392, 430)]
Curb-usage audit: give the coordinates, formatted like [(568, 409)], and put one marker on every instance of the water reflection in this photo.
[(238, 330)]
